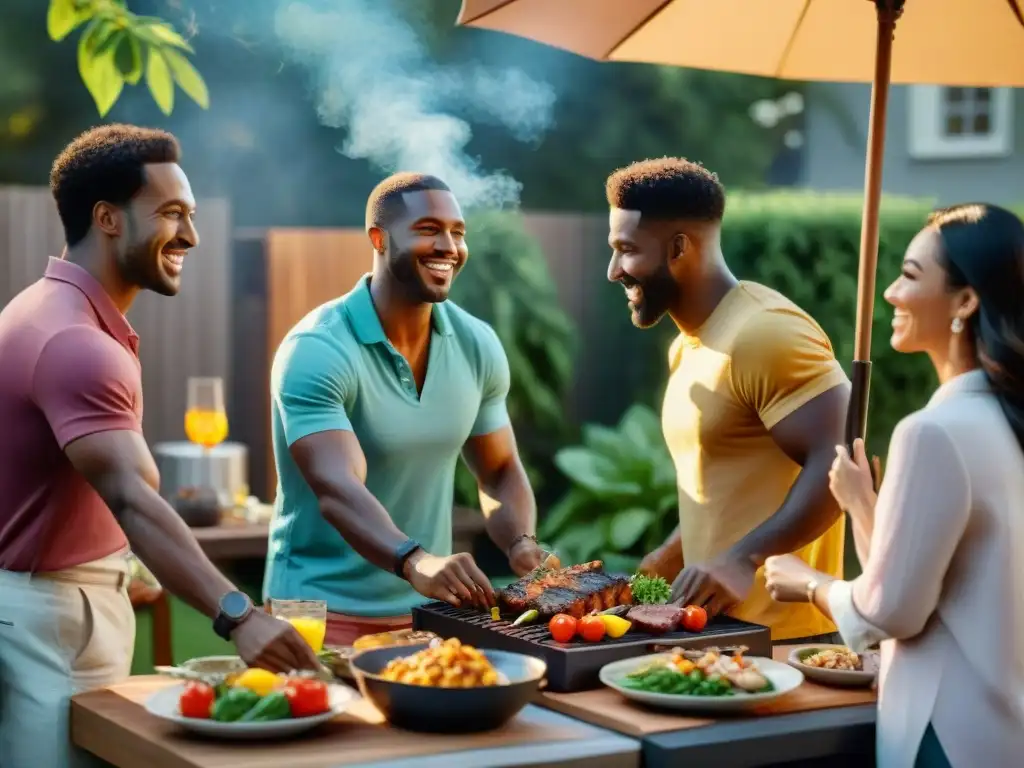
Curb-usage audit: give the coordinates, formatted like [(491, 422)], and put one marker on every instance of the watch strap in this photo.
[(403, 553)]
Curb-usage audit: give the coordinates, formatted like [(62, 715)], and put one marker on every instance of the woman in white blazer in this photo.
[(942, 543)]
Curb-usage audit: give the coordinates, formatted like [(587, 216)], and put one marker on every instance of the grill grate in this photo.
[(574, 666)]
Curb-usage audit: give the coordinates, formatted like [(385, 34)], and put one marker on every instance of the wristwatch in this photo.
[(235, 608), (403, 553)]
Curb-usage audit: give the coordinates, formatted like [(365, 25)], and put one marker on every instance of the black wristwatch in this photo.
[(403, 553), (235, 608)]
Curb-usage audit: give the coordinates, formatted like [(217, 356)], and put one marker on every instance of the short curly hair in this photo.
[(385, 203), (667, 188), (106, 163)]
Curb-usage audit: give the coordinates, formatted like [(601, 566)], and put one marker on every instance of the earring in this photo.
[(957, 325)]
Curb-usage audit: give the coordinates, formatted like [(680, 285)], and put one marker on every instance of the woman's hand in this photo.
[(788, 577), (850, 480)]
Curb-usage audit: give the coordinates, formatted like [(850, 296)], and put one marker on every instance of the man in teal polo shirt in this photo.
[(374, 397)]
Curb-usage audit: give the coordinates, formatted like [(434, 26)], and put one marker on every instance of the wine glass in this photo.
[(206, 420)]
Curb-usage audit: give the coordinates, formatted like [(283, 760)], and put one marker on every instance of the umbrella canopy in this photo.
[(948, 42), (951, 42)]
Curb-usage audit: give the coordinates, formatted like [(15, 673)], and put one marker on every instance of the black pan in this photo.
[(448, 710)]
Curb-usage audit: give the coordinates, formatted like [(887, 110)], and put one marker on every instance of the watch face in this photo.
[(234, 605)]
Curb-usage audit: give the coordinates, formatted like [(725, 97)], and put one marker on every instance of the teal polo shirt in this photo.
[(337, 370)]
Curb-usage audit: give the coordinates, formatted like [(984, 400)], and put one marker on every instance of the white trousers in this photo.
[(61, 633)]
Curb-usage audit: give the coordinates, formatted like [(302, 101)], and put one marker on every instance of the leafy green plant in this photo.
[(623, 500), (506, 282), (117, 47)]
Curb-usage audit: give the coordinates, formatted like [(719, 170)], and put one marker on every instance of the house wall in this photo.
[(835, 150)]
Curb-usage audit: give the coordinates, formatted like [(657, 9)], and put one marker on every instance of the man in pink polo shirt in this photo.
[(78, 484)]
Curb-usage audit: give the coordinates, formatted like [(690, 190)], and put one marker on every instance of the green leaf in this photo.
[(641, 426), (128, 58), (593, 472), (615, 562), (158, 78), (108, 43), (629, 525), (605, 441), (562, 513), (160, 33), (186, 76), (62, 17), (580, 543), (99, 73)]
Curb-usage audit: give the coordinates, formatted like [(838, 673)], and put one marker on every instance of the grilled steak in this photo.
[(655, 619), (576, 590)]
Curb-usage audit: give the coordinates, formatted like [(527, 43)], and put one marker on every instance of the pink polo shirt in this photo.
[(69, 367)]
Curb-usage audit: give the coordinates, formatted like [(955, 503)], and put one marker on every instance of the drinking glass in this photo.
[(206, 420), (309, 617)]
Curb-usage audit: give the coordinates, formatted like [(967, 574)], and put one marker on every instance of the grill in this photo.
[(574, 666)]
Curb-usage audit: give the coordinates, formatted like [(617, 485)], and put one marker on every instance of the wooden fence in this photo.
[(187, 335)]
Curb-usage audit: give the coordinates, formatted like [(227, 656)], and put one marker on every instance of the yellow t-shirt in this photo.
[(757, 359)]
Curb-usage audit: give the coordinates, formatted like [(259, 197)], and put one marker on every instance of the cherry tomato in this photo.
[(591, 628), (196, 700), (563, 627), (306, 697), (695, 618)]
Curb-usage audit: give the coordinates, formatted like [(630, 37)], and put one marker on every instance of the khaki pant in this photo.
[(61, 633)]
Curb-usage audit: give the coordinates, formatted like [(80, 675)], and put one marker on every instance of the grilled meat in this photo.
[(576, 590), (655, 619)]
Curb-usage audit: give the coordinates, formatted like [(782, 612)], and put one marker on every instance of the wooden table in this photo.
[(813, 725), (113, 724), (233, 540)]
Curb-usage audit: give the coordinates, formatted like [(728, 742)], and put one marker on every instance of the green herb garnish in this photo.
[(650, 590)]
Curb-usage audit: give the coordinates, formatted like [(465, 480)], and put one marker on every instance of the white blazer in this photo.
[(943, 584)]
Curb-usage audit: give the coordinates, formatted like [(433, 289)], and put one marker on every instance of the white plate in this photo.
[(164, 704), (784, 677), (841, 677)]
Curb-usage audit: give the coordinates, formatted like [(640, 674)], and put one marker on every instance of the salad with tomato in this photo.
[(253, 696)]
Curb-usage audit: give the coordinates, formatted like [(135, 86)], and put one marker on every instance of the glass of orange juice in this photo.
[(309, 617), (206, 420)]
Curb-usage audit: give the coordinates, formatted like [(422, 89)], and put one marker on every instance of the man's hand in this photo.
[(270, 643), (456, 579), (526, 554), (717, 585)]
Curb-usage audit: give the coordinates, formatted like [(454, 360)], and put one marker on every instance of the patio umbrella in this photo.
[(976, 43)]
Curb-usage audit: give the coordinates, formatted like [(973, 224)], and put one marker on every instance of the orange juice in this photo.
[(312, 630), (205, 427)]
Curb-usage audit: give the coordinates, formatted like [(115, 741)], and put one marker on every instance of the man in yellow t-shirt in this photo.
[(755, 404)]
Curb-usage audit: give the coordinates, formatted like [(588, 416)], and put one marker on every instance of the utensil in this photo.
[(164, 704), (448, 710), (782, 676), (845, 678)]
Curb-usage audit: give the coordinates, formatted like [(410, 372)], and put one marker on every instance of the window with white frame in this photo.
[(958, 122)]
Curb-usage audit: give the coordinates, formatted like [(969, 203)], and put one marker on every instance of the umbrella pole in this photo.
[(889, 12)]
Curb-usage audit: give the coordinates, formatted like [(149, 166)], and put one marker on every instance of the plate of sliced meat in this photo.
[(704, 680)]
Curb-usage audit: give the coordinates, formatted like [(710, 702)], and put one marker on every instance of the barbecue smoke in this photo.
[(372, 77)]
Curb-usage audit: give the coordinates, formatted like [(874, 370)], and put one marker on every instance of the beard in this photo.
[(139, 263), (658, 293), (404, 266)]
